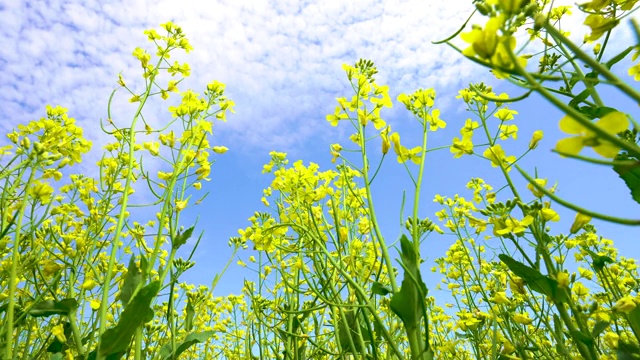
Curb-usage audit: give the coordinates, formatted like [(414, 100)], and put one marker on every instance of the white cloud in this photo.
[(280, 59), (277, 58)]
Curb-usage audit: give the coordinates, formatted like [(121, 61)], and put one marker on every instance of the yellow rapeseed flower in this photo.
[(89, 284), (580, 221), (501, 298), (613, 123), (537, 193), (181, 204), (505, 114), (58, 332), (522, 318), (563, 279), (549, 215), (611, 339), (625, 304), (220, 149), (498, 157), (580, 290), (462, 146)]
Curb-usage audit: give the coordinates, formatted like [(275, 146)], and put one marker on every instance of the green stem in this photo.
[(122, 216), (575, 114), (374, 220), (138, 343), (362, 292), (593, 63), (588, 84), (418, 188), (15, 256), (76, 334), (575, 207)]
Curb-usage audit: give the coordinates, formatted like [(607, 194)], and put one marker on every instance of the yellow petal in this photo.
[(527, 220), (614, 122), (607, 150), (570, 126), (572, 145)]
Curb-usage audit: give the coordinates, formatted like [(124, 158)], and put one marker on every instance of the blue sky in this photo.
[(281, 62)]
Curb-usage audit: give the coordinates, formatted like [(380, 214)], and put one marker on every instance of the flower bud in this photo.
[(511, 6), (540, 21), (37, 146), (25, 143), (597, 48), (580, 221), (530, 9), (535, 139), (483, 8)]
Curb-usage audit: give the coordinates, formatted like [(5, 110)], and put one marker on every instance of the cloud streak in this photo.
[(280, 59)]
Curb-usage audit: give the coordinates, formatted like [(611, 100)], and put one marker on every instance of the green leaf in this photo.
[(601, 111), (144, 264), (131, 282), (631, 176), (582, 96), (189, 340), (627, 351), (190, 314), (115, 356), (379, 289), (593, 112), (598, 261), (181, 238), (18, 316), (408, 303), (633, 318), (582, 337), (350, 329), (598, 328), (117, 339), (52, 307), (618, 57), (535, 280)]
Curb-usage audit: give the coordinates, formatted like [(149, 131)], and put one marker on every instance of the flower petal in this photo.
[(614, 122), (572, 145), (570, 126), (607, 150)]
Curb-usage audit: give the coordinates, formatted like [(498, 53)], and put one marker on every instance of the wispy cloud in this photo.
[(280, 59)]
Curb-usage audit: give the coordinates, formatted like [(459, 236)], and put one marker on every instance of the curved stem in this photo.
[(122, 215), (374, 219), (593, 63), (575, 207), (575, 114), (15, 257)]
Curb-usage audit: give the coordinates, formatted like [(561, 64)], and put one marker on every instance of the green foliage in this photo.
[(535, 280), (117, 339), (324, 266), (408, 303), (166, 352)]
